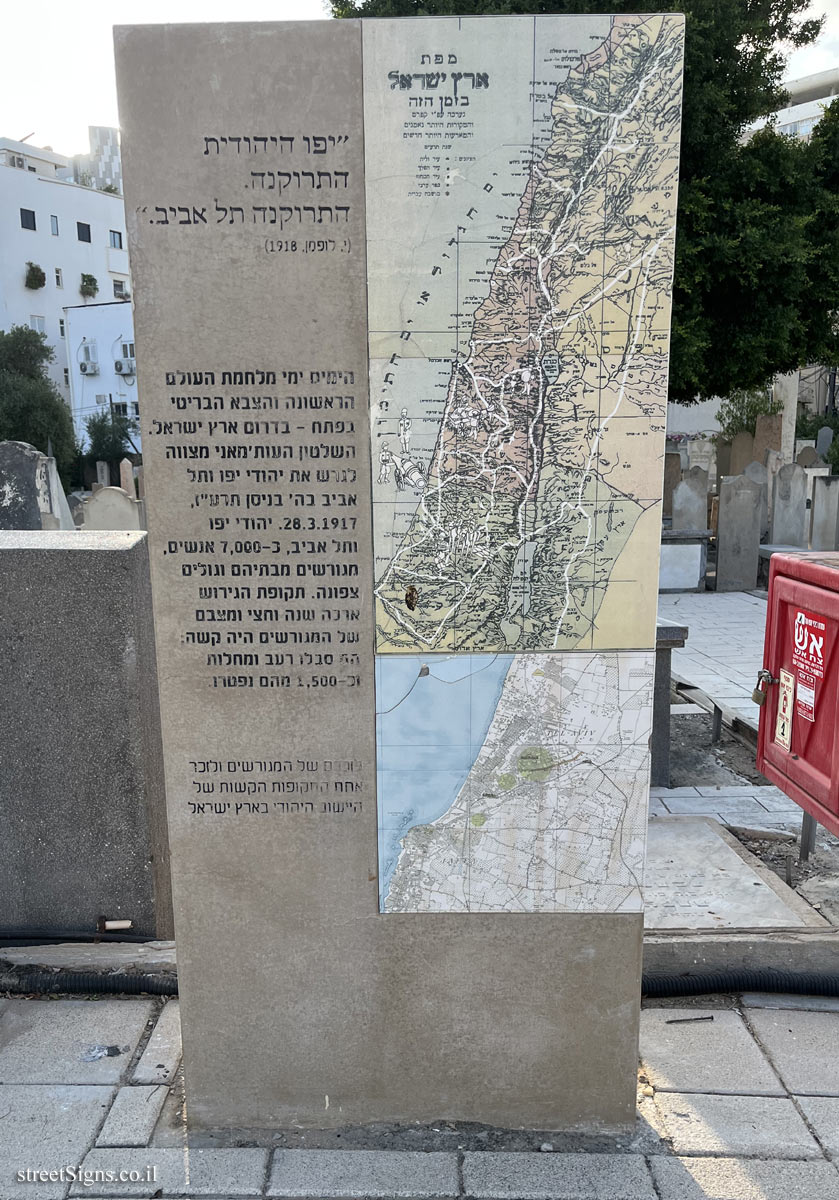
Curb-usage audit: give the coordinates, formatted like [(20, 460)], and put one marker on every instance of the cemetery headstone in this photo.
[(768, 436), (111, 508), (785, 394), (672, 475), (126, 477), (757, 473), (789, 507), (31, 495), (809, 457), (103, 473), (824, 524), (690, 501), (738, 534), (774, 461), (317, 695), (723, 452), (824, 440), (742, 452)]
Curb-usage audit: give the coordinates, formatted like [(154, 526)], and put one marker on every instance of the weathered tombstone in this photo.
[(141, 484), (281, 635), (103, 473), (785, 395), (811, 475), (111, 508), (789, 507), (757, 473), (774, 461), (742, 452), (672, 475), (31, 495), (808, 456), (768, 436), (126, 477), (738, 534), (701, 454), (690, 501), (824, 517), (723, 451), (824, 440)]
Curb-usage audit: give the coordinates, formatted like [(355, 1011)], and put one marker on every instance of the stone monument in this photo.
[(672, 475), (824, 518), (364, 702), (789, 507), (756, 471), (690, 501), (738, 534)]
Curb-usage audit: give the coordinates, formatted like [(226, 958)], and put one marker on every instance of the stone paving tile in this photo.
[(44, 1128), (743, 1179), (703, 1056), (823, 1114), (179, 1173), (736, 1126), (525, 1176), (784, 1000), (55, 1041), (699, 806), (159, 1061), (803, 1047), (133, 1116), (368, 1173)]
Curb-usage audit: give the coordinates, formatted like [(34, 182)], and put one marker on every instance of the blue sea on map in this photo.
[(429, 731)]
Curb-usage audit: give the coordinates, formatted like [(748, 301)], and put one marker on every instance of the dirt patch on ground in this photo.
[(694, 762)]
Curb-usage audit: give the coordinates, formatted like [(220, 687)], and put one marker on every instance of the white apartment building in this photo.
[(100, 352), (68, 231)]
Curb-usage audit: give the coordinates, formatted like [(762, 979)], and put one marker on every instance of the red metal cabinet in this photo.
[(798, 739)]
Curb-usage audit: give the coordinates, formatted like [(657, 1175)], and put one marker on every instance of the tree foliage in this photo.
[(757, 244), (108, 437), (739, 412), (31, 408)]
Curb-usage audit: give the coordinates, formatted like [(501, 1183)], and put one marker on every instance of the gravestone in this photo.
[(785, 394), (110, 508), (348, 732), (723, 449), (31, 494), (809, 457), (789, 507), (738, 534), (742, 452), (824, 516), (126, 477), (757, 473), (803, 444), (768, 436), (774, 462), (672, 475), (824, 440), (811, 475), (690, 501), (103, 473)]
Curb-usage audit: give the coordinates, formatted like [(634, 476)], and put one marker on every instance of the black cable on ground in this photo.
[(48, 937), (41, 983), (747, 979)]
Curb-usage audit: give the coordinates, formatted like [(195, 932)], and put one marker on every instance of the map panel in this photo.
[(514, 783), (521, 199)]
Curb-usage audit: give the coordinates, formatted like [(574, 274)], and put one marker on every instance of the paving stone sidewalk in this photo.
[(738, 1100)]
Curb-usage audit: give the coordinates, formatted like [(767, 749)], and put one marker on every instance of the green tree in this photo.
[(109, 437), (749, 295), (31, 408)]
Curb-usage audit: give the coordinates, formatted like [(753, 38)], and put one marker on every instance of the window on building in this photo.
[(83, 231), (120, 410), (101, 397), (54, 226), (88, 350), (116, 239), (127, 349), (27, 218), (120, 289), (61, 329), (66, 376), (136, 408), (59, 278), (38, 324)]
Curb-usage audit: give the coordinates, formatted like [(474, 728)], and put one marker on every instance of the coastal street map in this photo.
[(522, 184)]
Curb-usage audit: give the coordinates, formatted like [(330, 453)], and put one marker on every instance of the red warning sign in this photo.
[(808, 656)]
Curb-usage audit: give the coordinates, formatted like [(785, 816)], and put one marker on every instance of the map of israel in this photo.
[(521, 223)]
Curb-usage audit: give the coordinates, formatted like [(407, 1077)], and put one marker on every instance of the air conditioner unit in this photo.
[(125, 366), (89, 368)]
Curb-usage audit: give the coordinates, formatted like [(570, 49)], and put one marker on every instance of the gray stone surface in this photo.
[(743, 1179), (368, 1173), (111, 508), (159, 1061), (756, 471), (99, 956), (738, 534), (823, 1114), (44, 1129), (824, 440), (824, 518), (683, 1054), (797, 1043), (60, 1041), (133, 1116), (672, 475), (787, 1001), (742, 452), (337, 1001), (525, 1176), (186, 1172), (690, 500), (808, 457), (736, 1126), (768, 435), (789, 506), (28, 489), (82, 806)]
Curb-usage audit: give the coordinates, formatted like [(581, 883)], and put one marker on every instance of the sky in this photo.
[(60, 77)]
